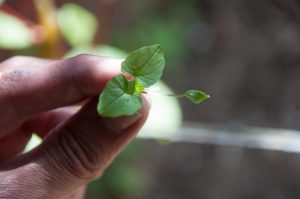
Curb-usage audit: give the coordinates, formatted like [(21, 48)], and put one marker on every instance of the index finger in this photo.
[(27, 90)]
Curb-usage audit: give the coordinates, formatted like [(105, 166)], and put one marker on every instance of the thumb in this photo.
[(75, 153)]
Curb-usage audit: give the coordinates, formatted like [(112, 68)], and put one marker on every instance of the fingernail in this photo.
[(120, 124)]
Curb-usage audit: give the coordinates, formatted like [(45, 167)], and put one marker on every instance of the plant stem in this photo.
[(175, 95), (131, 86)]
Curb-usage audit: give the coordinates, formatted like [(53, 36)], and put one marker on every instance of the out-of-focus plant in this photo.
[(123, 179), (14, 34), (77, 25), (54, 29), (167, 27)]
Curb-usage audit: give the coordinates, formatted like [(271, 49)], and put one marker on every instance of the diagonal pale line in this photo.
[(285, 140)]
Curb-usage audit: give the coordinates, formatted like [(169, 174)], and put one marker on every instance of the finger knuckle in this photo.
[(84, 62), (86, 72)]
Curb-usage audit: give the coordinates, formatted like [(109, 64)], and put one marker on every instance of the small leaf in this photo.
[(77, 24), (196, 96), (114, 101), (145, 64)]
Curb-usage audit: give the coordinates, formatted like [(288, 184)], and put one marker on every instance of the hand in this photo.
[(35, 96)]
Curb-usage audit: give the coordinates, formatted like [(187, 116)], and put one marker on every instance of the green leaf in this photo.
[(115, 100), (77, 24), (196, 96), (14, 34), (145, 64)]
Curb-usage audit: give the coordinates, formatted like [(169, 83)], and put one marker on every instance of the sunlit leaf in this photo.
[(165, 116), (77, 24), (14, 34)]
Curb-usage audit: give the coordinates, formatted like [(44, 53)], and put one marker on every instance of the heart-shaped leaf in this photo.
[(117, 98), (145, 64)]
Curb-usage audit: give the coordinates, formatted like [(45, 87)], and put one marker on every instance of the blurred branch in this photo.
[(51, 46), (285, 140)]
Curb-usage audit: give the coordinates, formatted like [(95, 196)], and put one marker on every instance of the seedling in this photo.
[(142, 68)]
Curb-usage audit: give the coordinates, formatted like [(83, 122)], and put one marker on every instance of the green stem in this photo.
[(176, 95), (131, 86)]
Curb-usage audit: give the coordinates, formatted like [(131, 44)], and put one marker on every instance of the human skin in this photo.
[(36, 95)]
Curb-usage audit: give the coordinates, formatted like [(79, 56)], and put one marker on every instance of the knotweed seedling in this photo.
[(142, 68)]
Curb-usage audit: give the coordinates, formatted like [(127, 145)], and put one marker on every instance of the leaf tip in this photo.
[(159, 48)]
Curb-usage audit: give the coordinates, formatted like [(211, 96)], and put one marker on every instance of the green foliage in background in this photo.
[(77, 24), (168, 29), (123, 179), (13, 33)]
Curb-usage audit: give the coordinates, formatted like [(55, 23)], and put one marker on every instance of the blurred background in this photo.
[(244, 142)]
